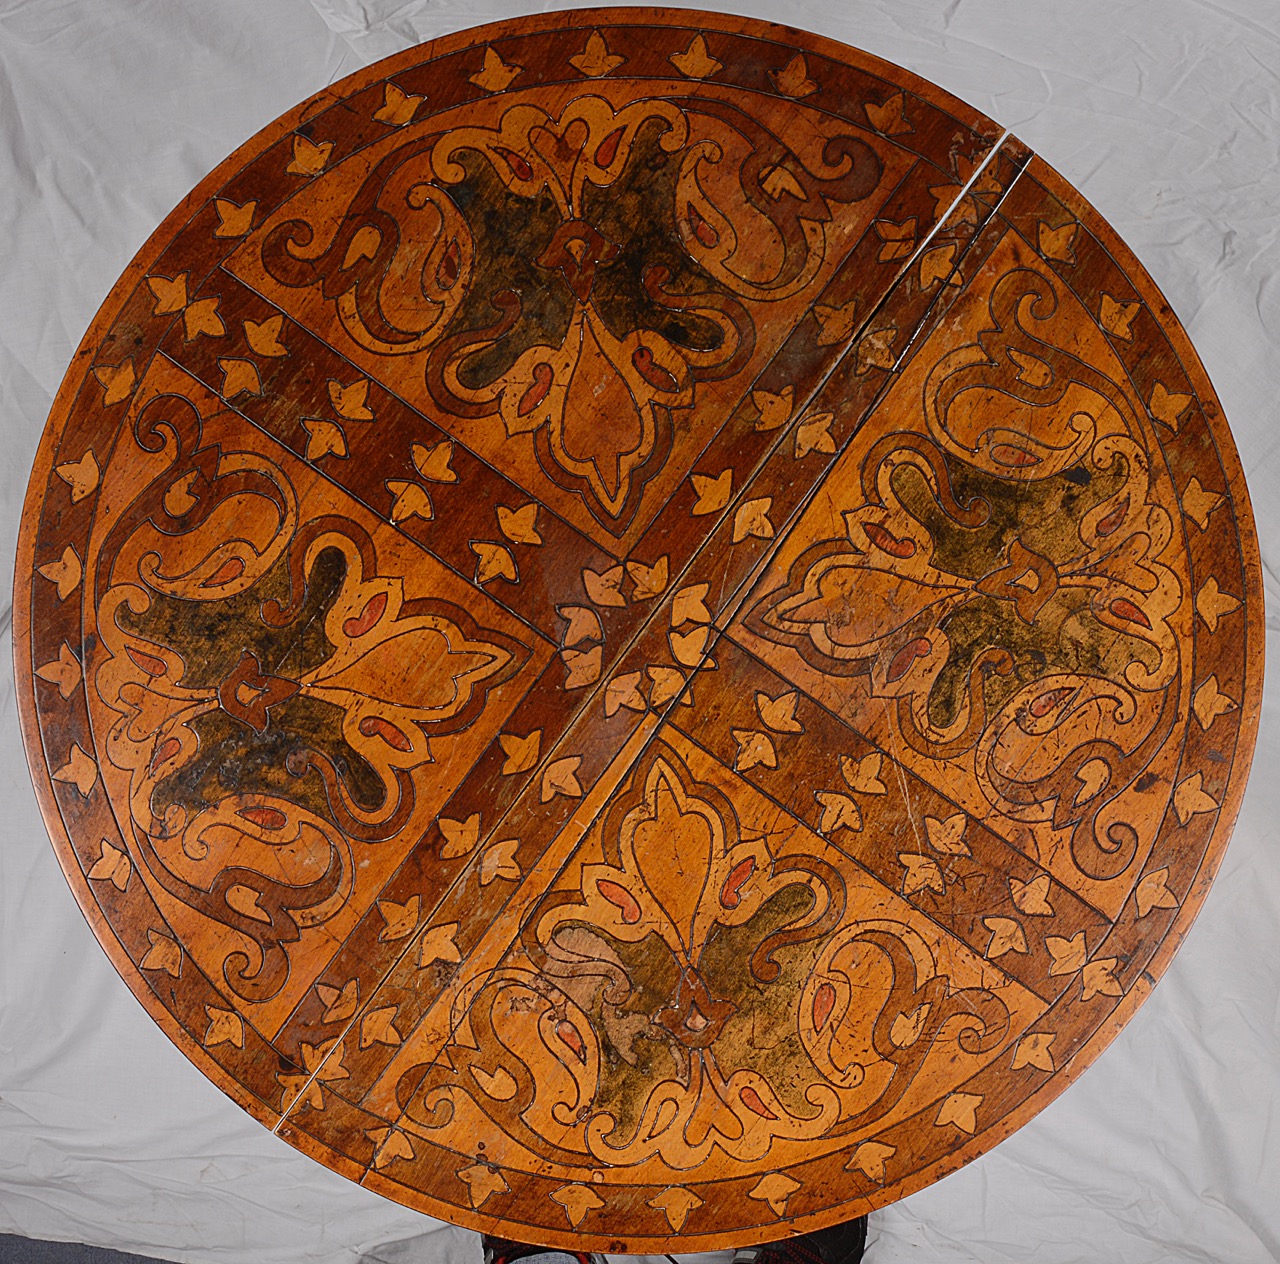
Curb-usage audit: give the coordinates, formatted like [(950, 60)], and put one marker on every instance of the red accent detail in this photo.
[(620, 898), (450, 266), (652, 371), (543, 376), (702, 230), (267, 818), (166, 750), (1046, 702), (231, 569), (901, 662), (519, 167), (149, 663), (1124, 609), (1108, 524), (729, 893), (751, 1099), (884, 539), (376, 726), (367, 618), (824, 1001), (608, 150), (571, 1037), (1007, 454)]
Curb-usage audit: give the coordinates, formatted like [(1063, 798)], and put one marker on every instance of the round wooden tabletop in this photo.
[(637, 630)]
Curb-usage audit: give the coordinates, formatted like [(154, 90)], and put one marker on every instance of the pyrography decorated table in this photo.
[(638, 630)]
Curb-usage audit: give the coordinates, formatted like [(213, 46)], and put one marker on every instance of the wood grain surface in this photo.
[(637, 631)]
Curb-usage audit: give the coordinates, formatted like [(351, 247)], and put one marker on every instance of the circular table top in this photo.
[(637, 630)]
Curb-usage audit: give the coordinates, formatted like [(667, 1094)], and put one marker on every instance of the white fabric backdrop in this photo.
[(1164, 113)]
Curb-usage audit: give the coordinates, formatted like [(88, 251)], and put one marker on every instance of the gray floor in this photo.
[(15, 1250)]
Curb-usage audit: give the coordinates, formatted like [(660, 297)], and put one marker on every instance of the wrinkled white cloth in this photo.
[(1164, 113)]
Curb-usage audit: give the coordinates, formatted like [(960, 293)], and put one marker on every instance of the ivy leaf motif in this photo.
[(650, 581), (81, 476), (494, 561), (1058, 243), (1034, 1050), (922, 874), (775, 1188), (582, 667), (1117, 317), (605, 589), (521, 752), (410, 500), (164, 954), (675, 1203), (775, 409), (64, 574), (439, 944), (561, 778), (79, 770), (713, 493), (398, 106), (434, 463), (482, 1182), (495, 75), (351, 402), (960, 1109), (869, 1159), (577, 1200), (814, 435), (401, 919), (947, 836), (779, 714), (752, 519), (1197, 503), (596, 60), (1032, 898), (838, 812), (519, 525), (1190, 799), (1068, 955), (687, 648), (239, 377), (113, 866), (309, 157), (117, 381), (1006, 936), (863, 775), (1153, 892), (499, 861), (378, 1027), (667, 683), (64, 671), (835, 324), (890, 117), (754, 750), (793, 79), (263, 337), (339, 1003), (389, 1145), (225, 1028), (624, 691), (460, 837), (234, 220), (689, 605), (696, 62), (325, 438)]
